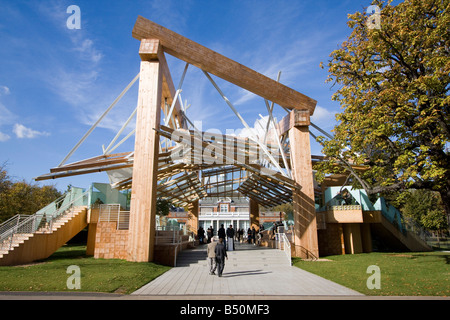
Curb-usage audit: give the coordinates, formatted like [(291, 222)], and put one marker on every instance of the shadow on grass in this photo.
[(68, 252)]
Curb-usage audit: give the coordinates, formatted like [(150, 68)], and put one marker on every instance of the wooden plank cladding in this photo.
[(221, 66)]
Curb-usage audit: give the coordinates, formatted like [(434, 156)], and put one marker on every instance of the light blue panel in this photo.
[(108, 195), (365, 201), (332, 192)]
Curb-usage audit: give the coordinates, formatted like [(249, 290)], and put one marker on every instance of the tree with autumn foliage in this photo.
[(21, 197), (392, 82)]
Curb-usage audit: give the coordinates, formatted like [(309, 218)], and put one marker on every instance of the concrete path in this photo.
[(249, 271)]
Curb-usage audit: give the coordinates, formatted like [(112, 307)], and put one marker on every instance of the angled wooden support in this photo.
[(141, 236), (305, 225), (146, 52), (223, 67)]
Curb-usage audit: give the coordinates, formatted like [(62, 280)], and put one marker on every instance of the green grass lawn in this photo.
[(401, 274), (97, 275)]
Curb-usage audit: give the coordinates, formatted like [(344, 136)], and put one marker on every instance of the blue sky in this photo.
[(55, 81)]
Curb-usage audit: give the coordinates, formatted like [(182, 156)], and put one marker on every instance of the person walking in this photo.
[(209, 233), (210, 250), (221, 254), (254, 235), (222, 234), (201, 235), (230, 238)]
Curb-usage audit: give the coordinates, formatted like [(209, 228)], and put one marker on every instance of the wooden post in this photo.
[(305, 237), (193, 217), (254, 214), (141, 237)]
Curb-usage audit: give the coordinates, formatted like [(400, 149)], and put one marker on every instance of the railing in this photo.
[(172, 235), (411, 226), (40, 221), (12, 222), (340, 207), (283, 244), (439, 242), (224, 215), (113, 213)]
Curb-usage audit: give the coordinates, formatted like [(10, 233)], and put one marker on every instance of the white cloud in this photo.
[(245, 97), (75, 64), (324, 116), (4, 90), (6, 116), (23, 132), (4, 137), (87, 50)]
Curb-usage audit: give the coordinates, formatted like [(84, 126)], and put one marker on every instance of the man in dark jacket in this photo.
[(230, 238), (221, 254), (222, 234)]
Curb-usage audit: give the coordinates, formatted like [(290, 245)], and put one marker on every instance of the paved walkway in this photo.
[(249, 271)]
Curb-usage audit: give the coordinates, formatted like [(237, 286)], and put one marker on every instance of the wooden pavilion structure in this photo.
[(178, 171)]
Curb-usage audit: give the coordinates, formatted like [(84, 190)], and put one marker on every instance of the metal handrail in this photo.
[(284, 244), (343, 207), (113, 213), (33, 223), (175, 237), (11, 222)]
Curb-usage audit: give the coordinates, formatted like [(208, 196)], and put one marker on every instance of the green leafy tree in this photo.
[(163, 206), (425, 208), (21, 197), (393, 85)]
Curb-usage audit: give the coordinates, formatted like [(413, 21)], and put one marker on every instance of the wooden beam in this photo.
[(221, 66)]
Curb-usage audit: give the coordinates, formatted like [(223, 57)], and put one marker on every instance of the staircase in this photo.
[(387, 223), (24, 239), (398, 232)]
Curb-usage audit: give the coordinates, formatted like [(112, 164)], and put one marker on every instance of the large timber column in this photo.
[(141, 234), (193, 217), (254, 214), (305, 237)]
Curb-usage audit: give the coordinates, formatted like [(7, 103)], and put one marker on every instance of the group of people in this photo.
[(252, 236), (217, 250), (216, 256), (201, 235)]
